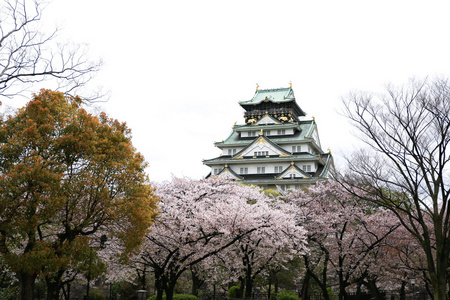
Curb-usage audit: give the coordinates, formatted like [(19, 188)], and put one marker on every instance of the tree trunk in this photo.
[(248, 287), (54, 285), (88, 285), (276, 286), (342, 292), (159, 287), (440, 280), (374, 290), (170, 287), (240, 292), (26, 285), (304, 294), (402, 291), (143, 278), (53, 291), (66, 292), (197, 282)]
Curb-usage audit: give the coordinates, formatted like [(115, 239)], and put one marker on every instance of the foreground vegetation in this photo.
[(76, 205)]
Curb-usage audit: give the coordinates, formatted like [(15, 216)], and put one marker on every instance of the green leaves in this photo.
[(66, 175)]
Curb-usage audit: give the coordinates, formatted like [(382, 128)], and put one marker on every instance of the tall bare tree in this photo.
[(406, 164), (28, 55)]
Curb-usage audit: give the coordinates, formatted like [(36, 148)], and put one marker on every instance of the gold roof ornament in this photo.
[(261, 132), (292, 163), (329, 151), (226, 166), (290, 84), (257, 86), (314, 119)]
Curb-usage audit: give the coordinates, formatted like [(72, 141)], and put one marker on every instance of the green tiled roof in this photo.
[(281, 95), (327, 165), (273, 95), (306, 129), (298, 170), (229, 160), (267, 140)]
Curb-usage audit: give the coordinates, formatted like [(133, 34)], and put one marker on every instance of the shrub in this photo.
[(176, 297), (184, 297), (9, 293), (96, 294), (233, 292), (287, 295), (331, 294)]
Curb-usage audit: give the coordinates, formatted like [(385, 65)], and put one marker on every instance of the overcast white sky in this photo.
[(177, 69)]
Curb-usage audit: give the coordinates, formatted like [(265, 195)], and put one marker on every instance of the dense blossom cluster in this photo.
[(347, 237), (221, 232), (76, 204), (199, 219)]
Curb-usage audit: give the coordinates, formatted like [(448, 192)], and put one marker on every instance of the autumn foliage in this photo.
[(75, 202), (66, 175)]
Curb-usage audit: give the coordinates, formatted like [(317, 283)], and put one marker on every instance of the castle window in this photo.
[(281, 132), (306, 168), (278, 169), (296, 149), (261, 153), (261, 170), (243, 171)]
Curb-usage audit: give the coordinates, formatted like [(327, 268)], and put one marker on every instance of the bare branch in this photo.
[(406, 167), (29, 56)]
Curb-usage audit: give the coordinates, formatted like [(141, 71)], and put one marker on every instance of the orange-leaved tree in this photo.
[(65, 177)]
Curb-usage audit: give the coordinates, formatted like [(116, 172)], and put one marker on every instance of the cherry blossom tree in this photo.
[(199, 219), (405, 164), (268, 247), (344, 235), (400, 261)]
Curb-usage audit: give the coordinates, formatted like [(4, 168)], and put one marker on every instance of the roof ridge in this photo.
[(275, 89)]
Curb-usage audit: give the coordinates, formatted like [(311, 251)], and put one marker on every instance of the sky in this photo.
[(177, 69)]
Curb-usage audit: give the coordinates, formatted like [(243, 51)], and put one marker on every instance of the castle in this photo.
[(275, 148)]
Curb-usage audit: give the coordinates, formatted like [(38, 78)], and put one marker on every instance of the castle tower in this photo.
[(275, 147)]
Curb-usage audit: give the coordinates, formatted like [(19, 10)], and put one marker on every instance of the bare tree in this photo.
[(29, 56), (406, 164)]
